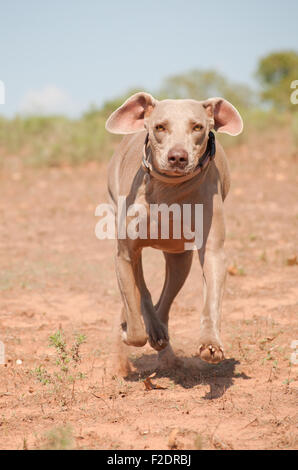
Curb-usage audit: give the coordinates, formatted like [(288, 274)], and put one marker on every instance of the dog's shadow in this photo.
[(192, 371)]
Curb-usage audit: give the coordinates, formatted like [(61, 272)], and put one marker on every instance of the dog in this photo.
[(170, 156)]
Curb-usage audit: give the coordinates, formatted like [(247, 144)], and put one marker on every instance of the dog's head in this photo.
[(178, 129)]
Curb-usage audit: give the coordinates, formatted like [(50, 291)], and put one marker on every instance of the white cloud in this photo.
[(47, 101)]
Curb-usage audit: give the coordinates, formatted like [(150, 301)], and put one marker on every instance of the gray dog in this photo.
[(171, 157)]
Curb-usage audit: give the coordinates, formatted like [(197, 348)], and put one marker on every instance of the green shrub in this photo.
[(55, 141)]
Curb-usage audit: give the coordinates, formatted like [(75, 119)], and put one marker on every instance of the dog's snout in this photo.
[(178, 157)]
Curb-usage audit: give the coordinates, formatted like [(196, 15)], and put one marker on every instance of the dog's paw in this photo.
[(211, 352), (136, 339), (158, 335)]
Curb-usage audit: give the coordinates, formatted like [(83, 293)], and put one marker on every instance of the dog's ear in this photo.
[(129, 118), (226, 117)]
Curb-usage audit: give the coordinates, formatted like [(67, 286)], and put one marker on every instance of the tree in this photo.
[(203, 84), (275, 73), (103, 112)]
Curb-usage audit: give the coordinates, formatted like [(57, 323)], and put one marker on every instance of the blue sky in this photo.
[(64, 55)]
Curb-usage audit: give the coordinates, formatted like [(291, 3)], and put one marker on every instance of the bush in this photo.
[(55, 141)]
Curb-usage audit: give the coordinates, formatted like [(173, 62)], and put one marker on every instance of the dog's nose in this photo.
[(178, 157)]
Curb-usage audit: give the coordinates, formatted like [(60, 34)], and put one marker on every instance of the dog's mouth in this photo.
[(176, 171), (180, 168)]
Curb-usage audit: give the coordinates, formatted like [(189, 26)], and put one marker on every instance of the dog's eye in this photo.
[(160, 128), (197, 127)]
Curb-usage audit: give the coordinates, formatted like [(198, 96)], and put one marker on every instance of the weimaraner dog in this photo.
[(171, 157)]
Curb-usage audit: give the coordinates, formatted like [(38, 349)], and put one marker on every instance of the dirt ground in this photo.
[(55, 275)]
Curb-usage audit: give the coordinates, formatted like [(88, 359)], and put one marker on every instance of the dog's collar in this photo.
[(203, 163)]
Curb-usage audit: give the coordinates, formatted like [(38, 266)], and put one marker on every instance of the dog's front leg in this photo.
[(157, 331), (133, 329), (137, 302), (213, 262)]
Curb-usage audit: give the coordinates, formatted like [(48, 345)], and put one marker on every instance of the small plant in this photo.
[(198, 442), (287, 381), (66, 372), (25, 444), (269, 357), (42, 375), (58, 342), (79, 339), (263, 256), (59, 438), (67, 359), (235, 270), (241, 271)]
